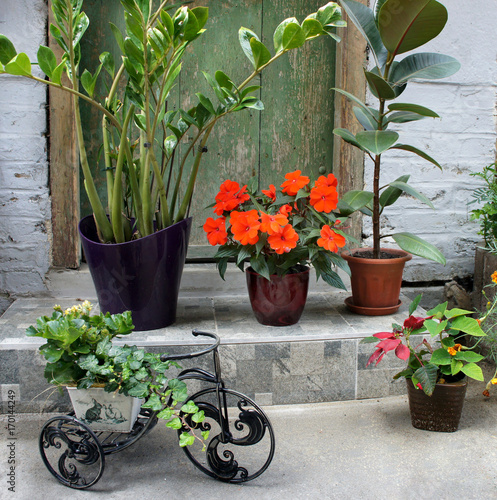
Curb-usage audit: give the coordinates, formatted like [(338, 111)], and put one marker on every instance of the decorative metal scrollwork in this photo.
[(235, 422), (71, 452)]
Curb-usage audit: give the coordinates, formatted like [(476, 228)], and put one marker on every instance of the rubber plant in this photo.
[(392, 29), (149, 178)]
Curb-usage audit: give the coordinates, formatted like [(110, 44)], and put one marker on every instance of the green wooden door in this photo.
[(293, 132)]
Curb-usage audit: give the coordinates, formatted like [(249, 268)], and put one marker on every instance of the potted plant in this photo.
[(279, 231), (486, 254), (136, 249), (437, 360), (393, 28), (108, 384)]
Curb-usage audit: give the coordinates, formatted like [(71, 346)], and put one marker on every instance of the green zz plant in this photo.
[(149, 177), (393, 28)]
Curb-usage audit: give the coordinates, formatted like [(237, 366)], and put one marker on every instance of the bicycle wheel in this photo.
[(71, 452), (241, 440)]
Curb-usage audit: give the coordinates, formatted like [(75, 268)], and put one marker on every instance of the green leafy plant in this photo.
[(149, 177), (393, 28), (440, 359), (486, 215), (280, 230), (79, 352), (74, 333)]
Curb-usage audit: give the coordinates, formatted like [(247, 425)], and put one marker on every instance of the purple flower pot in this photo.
[(142, 276), (279, 301)]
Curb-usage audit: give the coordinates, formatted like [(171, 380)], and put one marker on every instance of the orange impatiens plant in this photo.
[(277, 230)]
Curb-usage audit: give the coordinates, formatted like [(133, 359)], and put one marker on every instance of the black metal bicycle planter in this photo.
[(240, 447)]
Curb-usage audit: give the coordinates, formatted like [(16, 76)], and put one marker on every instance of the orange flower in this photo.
[(295, 181), (454, 350), (272, 223), (330, 240), (230, 196), (494, 277), (270, 193), (245, 226), (284, 240), (324, 198), (329, 181), (216, 231), (285, 210), (486, 393)]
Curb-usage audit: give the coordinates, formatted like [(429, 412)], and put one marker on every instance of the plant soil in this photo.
[(384, 254)]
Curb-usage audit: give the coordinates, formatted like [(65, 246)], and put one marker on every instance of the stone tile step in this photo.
[(320, 359)]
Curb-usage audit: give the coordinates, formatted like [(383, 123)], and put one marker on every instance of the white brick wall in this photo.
[(24, 193), (462, 141)]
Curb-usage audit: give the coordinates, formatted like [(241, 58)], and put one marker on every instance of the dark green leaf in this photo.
[(363, 18), (377, 141), (413, 108), (414, 24), (422, 154), (244, 36), (356, 100), (427, 376), (80, 26), (202, 14), (293, 36), (311, 28), (406, 188), (7, 50), (379, 87), (427, 66), (414, 304), (46, 60), (417, 246), (260, 53), (206, 102), (357, 199), (391, 194), (403, 117), (365, 119), (347, 136), (118, 36)]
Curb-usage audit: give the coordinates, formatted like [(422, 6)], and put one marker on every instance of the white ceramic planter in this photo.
[(104, 411)]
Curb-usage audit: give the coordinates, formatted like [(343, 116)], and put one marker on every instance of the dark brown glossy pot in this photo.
[(439, 412), (279, 301), (375, 282)]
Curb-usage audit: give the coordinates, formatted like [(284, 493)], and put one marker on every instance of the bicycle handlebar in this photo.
[(195, 333)]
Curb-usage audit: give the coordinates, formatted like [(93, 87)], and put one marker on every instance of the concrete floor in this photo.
[(344, 450)]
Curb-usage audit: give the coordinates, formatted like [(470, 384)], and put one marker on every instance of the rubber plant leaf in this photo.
[(391, 194), (413, 192), (377, 141), (422, 154), (379, 87), (414, 24), (413, 108), (417, 246), (426, 66), (363, 18)]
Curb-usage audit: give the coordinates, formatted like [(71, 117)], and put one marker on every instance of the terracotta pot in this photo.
[(279, 301), (439, 412), (375, 282)]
